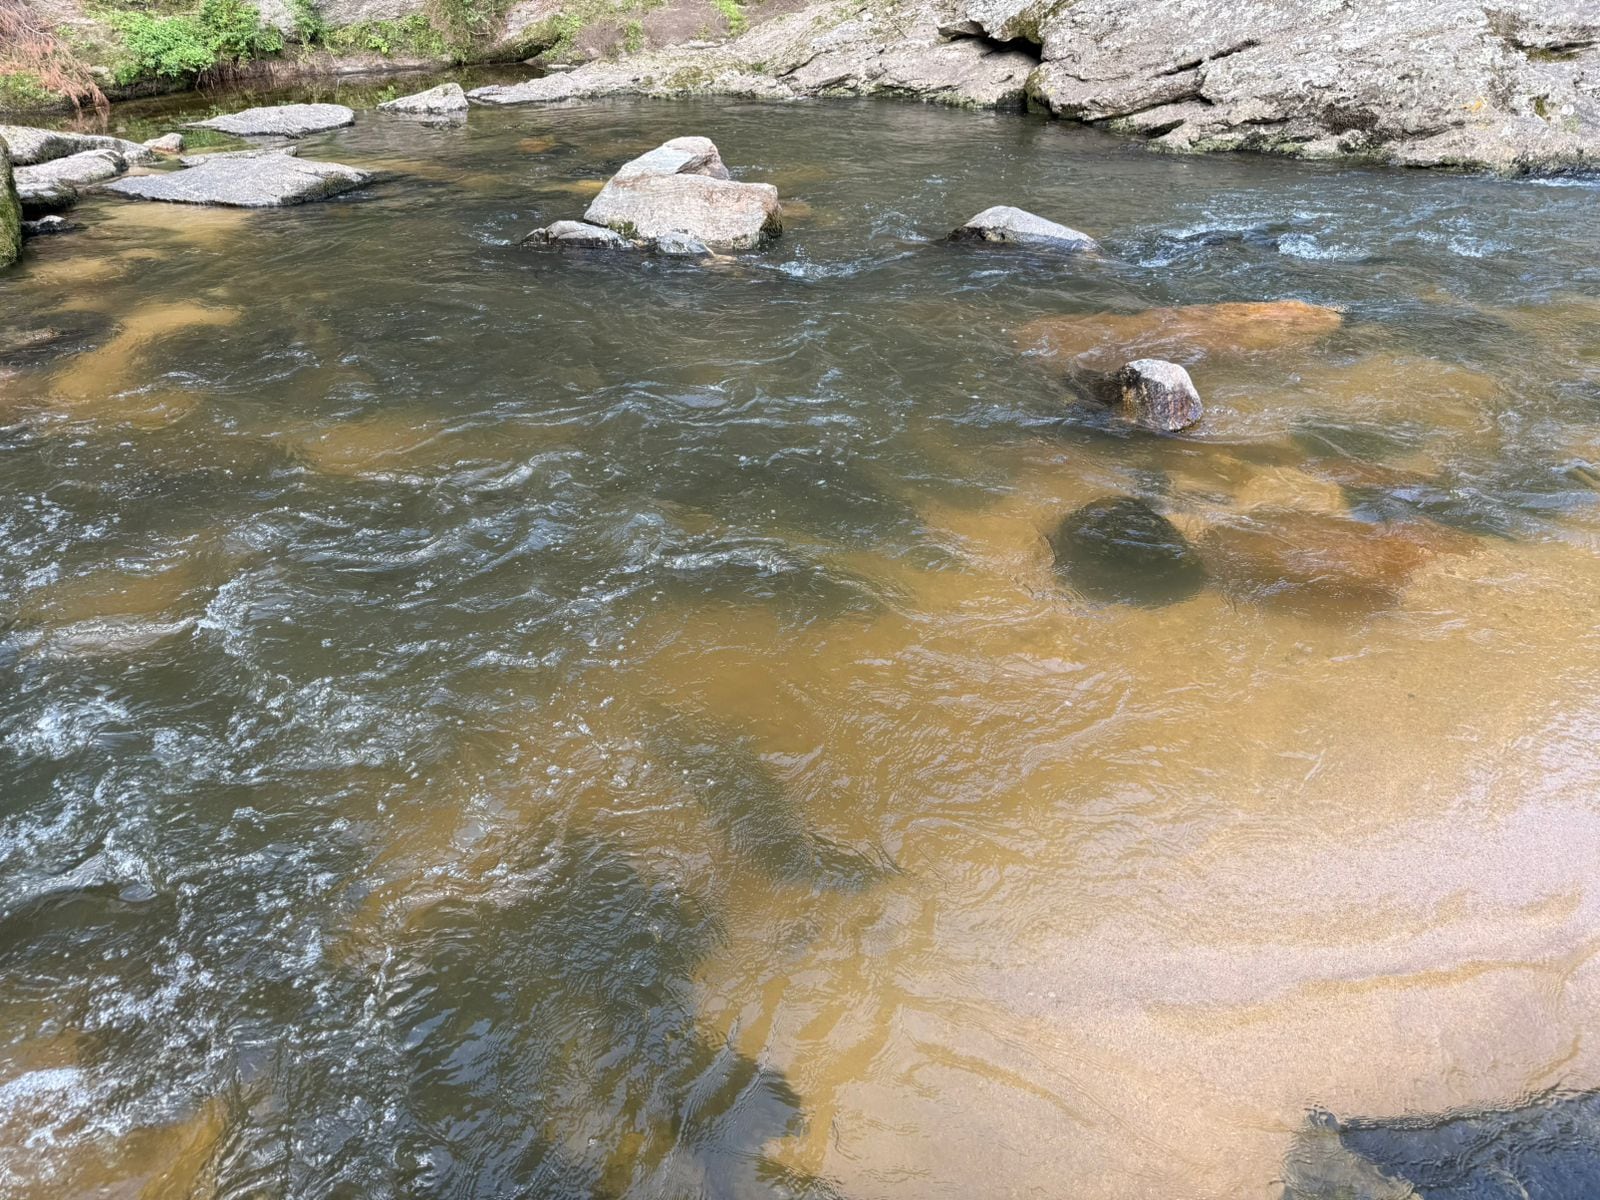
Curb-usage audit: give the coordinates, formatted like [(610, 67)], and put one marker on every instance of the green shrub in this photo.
[(218, 33), (309, 26), (633, 37), (733, 12), (410, 37)]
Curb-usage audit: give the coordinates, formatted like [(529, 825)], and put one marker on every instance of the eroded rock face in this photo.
[(247, 181), (167, 143), (30, 146), (680, 191), (1017, 227), (1103, 342), (1159, 395), (578, 236), (1507, 86), (445, 100), (10, 211), (821, 50), (1426, 82), (57, 183), (286, 120), (1120, 550)]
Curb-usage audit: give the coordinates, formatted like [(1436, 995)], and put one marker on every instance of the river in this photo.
[(480, 721)]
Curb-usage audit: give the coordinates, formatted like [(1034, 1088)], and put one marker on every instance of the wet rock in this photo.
[(445, 100), (1103, 342), (1121, 550), (58, 182), (30, 146), (286, 120), (681, 188), (10, 211), (47, 226), (1017, 227), (1312, 562), (1159, 395), (681, 245), (261, 181), (578, 235), (167, 143)]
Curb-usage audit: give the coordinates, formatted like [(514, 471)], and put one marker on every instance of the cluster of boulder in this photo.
[(676, 199)]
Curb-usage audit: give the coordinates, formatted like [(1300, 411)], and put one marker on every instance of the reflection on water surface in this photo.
[(485, 722)]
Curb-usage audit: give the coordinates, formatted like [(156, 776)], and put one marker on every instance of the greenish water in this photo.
[(486, 722)]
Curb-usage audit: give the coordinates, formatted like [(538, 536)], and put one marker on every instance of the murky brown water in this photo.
[(482, 722)]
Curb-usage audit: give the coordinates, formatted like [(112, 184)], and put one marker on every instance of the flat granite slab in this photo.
[(30, 146), (284, 120), (263, 181)]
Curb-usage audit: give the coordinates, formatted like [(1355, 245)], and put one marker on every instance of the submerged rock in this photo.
[(1105, 341), (1017, 227), (682, 188), (57, 182), (167, 143), (286, 120), (30, 146), (47, 226), (10, 211), (1121, 550), (248, 181), (1159, 395), (1313, 562), (681, 245), (578, 235), (445, 100), (210, 156)]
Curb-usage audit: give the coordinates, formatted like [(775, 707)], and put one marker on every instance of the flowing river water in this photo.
[(481, 721)]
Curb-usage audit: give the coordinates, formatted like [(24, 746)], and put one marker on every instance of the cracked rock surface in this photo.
[(1505, 85)]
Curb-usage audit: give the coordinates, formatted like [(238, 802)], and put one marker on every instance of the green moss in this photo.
[(408, 37), (20, 90), (10, 212), (733, 13)]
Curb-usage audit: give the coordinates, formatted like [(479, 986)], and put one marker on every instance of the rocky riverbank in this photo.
[(1512, 89), (1409, 82)]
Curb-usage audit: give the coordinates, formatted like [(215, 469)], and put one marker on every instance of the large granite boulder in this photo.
[(1017, 227), (285, 120), (10, 211), (445, 100), (245, 181), (30, 145), (58, 182), (681, 188)]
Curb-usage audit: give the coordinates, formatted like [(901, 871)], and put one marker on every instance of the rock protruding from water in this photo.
[(1159, 395), (257, 181), (443, 101), (578, 236), (1120, 550), (30, 146), (1018, 227), (10, 211), (57, 183), (681, 187), (285, 120), (167, 143)]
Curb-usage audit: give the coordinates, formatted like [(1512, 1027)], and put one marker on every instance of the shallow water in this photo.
[(485, 722)]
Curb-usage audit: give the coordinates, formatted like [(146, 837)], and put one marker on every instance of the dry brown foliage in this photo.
[(27, 45)]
